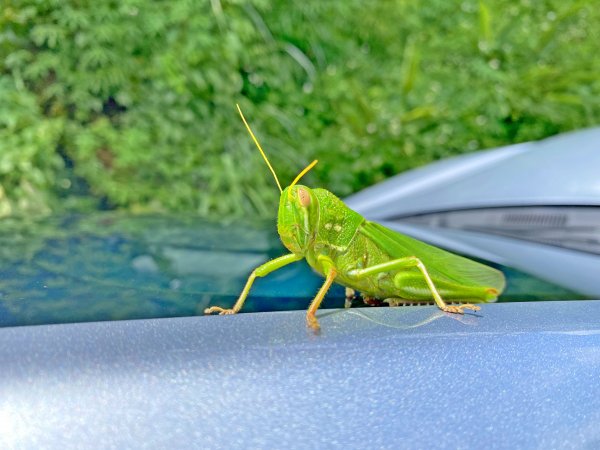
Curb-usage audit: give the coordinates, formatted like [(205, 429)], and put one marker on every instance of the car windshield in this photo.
[(110, 266)]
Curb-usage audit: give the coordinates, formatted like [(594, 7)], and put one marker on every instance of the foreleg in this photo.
[(260, 271)]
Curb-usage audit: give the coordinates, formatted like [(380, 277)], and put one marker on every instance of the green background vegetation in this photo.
[(131, 104)]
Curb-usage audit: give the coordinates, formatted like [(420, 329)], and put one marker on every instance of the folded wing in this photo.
[(439, 263)]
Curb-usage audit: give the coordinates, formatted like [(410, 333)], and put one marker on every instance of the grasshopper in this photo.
[(361, 255)]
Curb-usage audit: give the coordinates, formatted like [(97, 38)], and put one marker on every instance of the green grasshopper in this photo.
[(344, 247)]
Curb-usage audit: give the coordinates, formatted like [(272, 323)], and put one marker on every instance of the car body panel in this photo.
[(519, 375), (561, 170)]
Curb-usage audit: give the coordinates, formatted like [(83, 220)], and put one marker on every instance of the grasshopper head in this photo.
[(297, 218)]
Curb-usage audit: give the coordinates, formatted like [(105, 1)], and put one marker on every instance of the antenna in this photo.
[(261, 150), (306, 169)]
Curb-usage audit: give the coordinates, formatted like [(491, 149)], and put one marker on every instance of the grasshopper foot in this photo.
[(218, 309), (458, 309), (312, 322)]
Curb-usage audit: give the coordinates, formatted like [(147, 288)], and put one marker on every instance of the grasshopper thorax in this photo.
[(298, 218)]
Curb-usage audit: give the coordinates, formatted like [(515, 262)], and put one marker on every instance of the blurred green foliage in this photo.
[(134, 101)]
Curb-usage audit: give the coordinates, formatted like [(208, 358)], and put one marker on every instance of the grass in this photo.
[(131, 105)]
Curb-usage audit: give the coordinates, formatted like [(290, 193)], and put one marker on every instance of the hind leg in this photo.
[(406, 263)]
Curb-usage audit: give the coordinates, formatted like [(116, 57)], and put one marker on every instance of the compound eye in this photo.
[(303, 197)]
